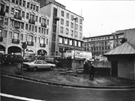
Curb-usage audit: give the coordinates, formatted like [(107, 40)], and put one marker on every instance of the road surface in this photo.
[(34, 90)]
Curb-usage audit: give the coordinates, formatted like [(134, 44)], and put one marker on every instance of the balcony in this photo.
[(32, 21), (43, 25), (2, 13), (16, 41), (18, 17), (1, 39), (30, 43), (17, 26), (42, 45)]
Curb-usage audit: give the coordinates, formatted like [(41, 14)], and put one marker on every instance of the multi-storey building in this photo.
[(66, 28), (21, 21), (99, 45)]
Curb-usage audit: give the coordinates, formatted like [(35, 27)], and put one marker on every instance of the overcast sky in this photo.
[(103, 17)]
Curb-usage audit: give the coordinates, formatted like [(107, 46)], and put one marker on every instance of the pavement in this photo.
[(61, 78)]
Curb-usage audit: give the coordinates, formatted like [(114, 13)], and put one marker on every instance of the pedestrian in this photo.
[(92, 71), (86, 66), (19, 63)]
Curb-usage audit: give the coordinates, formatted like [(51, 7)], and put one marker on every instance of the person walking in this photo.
[(92, 71)]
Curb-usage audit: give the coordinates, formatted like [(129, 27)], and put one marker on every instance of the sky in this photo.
[(103, 17)]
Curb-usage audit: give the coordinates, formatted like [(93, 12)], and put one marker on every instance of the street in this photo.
[(40, 91)]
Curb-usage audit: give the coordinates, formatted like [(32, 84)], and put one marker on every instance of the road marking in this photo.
[(18, 97)]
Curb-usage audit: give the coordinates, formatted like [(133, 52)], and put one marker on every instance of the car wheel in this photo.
[(51, 68), (35, 69)]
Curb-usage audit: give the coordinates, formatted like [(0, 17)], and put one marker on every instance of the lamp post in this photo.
[(56, 40), (75, 19)]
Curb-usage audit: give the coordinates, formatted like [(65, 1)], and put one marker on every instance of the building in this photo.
[(122, 58), (99, 45), (21, 21), (66, 28)]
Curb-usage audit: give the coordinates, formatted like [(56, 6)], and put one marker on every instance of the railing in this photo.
[(18, 17), (42, 45), (30, 43), (43, 25), (17, 26), (16, 41), (31, 21)]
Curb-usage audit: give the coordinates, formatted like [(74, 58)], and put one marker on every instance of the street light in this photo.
[(56, 40), (75, 19)]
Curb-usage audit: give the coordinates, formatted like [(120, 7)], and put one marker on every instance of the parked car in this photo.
[(38, 64), (11, 58)]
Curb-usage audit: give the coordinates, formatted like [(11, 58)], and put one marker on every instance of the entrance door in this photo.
[(114, 65)]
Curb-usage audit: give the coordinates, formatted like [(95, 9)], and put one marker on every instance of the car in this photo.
[(11, 58), (38, 64)]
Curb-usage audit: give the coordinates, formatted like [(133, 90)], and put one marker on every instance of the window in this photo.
[(20, 2), (31, 6), (62, 21), (71, 32), (27, 16), (62, 13), (7, 9), (47, 22), (42, 41), (12, 10), (6, 21), (47, 41), (26, 26), (39, 29), (76, 26), (24, 2), (72, 17), (67, 16), (70, 42), (17, 2), (60, 39), (72, 24), (37, 8), (67, 31), (28, 4), (80, 21), (22, 37), (34, 7), (35, 28), (23, 14), (16, 35), (61, 29), (35, 39), (31, 16), (65, 41), (67, 23), (13, 1), (54, 12), (80, 28), (30, 27), (79, 44), (5, 34), (17, 12), (30, 38), (36, 18), (22, 25), (75, 42)]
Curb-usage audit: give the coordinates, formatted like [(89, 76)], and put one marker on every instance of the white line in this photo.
[(18, 97)]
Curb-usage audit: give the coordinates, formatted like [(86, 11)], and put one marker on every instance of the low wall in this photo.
[(102, 71)]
